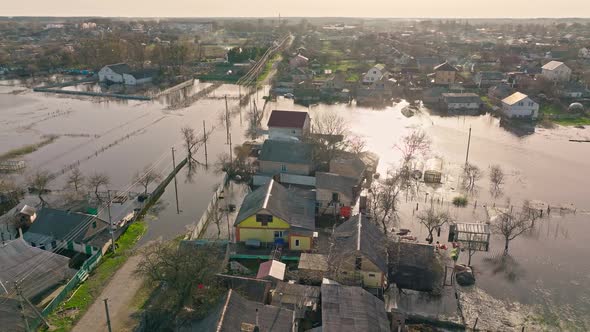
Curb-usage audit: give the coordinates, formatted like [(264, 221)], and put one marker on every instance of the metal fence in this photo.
[(201, 224)]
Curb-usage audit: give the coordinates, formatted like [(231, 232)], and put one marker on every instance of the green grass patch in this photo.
[(268, 68), (550, 109), (487, 101), (560, 116), (24, 150), (579, 121), (71, 310)]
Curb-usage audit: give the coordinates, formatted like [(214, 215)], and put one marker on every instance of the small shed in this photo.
[(433, 170), (272, 270), (313, 267)]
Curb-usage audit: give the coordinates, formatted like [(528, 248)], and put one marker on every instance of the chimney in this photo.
[(20, 232)]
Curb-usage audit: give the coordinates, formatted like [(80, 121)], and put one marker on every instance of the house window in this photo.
[(297, 243), (372, 275), (335, 197), (520, 104), (344, 272), (358, 263), (264, 219), (53, 244), (94, 224), (530, 103), (283, 168), (33, 244), (278, 234)]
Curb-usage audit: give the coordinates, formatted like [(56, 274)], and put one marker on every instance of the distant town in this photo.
[(294, 174)]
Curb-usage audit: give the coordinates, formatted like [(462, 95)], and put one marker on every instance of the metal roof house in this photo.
[(54, 229), (277, 156), (272, 214), (285, 125), (352, 309), (360, 255)]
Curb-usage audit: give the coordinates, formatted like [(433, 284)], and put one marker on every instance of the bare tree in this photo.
[(96, 181), (511, 225), (76, 179), (496, 180), (190, 140), (433, 219), (146, 177), (383, 199), (412, 145), (356, 144), (39, 182), (189, 276), (329, 136), (471, 174)]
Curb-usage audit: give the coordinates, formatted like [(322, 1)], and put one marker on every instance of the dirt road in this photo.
[(120, 292)]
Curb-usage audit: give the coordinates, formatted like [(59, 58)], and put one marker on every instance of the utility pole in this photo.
[(205, 140), (111, 222), (175, 184), (468, 144), (231, 157), (106, 308), (22, 306), (226, 121)]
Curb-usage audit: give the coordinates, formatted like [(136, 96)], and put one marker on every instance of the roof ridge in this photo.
[(267, 196), (220, 324), (358, 235)]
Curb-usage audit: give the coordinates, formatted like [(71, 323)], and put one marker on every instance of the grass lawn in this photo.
[(553, 113), (67, 313), (328, 49), (267, 68)]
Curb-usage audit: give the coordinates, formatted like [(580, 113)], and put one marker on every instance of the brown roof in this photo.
[(445, 67), (287, 119)]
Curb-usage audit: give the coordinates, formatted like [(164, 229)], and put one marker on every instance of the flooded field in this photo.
[(122, 137), (549, 272)]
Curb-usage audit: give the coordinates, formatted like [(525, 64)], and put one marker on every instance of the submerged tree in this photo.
[(96, 181), (496, 180), (414, 144), (511, 225), (471, 174), (433, 219), (39, 182), (76, 179), (146, 177), (383, 199), (329, 136)]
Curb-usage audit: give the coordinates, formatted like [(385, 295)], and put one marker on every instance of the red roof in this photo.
[(287, 119)]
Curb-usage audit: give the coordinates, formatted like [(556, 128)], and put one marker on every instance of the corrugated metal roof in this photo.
[(287, 119), (514, 98), (552, 65)]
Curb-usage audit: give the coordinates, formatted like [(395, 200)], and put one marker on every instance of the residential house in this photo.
[(374, 74), (272, 214), (519, 105), (298, 61), (360, 254), (235, 313), (461, 102), (556, 71), (584, 53), (485, 79), (413, 265), (427, 64), (313, 267), (433, 95), (278, 156), (350, 166), (352, 309), (75, 231), (377, 92), (121, 73), (500, 91), (336, 194), (573, 90), (288, 125), (445, 74)]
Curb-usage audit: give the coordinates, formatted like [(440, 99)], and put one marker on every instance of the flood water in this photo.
[(551, 270)]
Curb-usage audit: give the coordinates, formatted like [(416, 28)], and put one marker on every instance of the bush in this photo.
[(460, 201)]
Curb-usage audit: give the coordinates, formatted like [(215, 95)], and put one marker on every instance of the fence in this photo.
[(204, 220), (93, 94), (79, 277)]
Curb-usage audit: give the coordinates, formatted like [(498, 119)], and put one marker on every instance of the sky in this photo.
[(298, 8)]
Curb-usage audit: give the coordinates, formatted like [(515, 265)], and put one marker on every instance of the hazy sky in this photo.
[(236, 8)]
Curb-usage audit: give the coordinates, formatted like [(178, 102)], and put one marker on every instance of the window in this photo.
[(520, 103), (279, 234), (53, 244), (264, 219), (358, 263), (297, 243), (283, 168), (33, 244), (335, 197), (372, 275), (94, 224)]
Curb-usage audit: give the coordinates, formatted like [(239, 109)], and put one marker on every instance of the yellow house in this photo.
[(360, 253), (274, 214)]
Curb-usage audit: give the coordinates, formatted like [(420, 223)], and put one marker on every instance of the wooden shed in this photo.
[(433, 170)]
